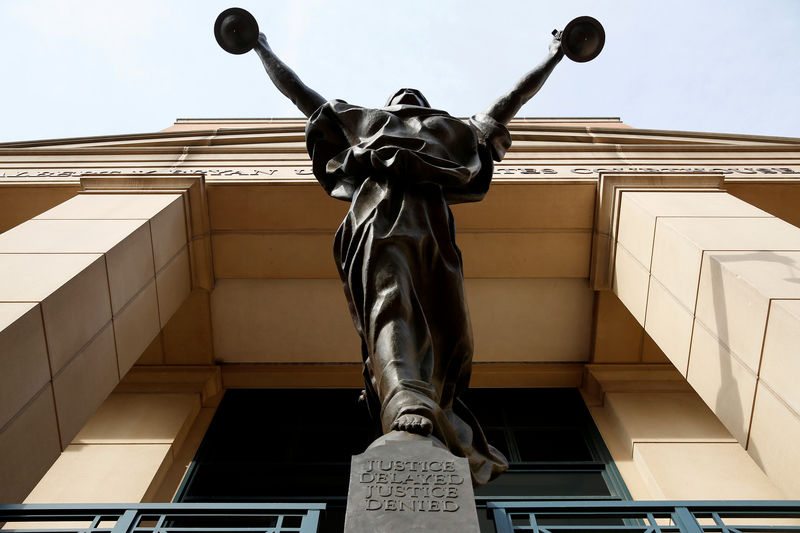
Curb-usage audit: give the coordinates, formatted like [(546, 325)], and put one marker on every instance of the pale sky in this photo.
[(95, 67)]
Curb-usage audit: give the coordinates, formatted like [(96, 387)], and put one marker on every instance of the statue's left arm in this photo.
[(506, 107), (306, 99)]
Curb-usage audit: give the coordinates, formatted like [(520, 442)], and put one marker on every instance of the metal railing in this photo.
[(509, 517), (163, 518), (646, 516)]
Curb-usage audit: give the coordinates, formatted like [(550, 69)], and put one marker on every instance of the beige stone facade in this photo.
[(142, 275)]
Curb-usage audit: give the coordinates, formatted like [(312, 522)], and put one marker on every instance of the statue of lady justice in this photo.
[(400, 166)]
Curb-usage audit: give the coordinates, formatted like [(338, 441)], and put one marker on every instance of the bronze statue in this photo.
[(400, 167)]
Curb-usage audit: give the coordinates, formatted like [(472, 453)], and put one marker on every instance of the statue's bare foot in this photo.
[(413, 424)]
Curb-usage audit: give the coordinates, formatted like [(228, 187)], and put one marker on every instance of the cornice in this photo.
[(256, 147), (522, 130)]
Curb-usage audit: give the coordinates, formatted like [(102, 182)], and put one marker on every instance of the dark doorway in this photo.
[(276, 445)]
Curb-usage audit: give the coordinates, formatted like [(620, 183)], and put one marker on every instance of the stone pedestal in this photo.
[(405, 482)]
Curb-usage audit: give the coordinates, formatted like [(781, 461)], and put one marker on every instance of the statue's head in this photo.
[(408, 97)]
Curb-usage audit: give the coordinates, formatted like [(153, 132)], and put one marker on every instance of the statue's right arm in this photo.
[(306, 99), (505, 107)]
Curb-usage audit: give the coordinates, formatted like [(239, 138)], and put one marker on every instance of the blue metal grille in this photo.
[(646, 517), (509, 517), (163, 518)]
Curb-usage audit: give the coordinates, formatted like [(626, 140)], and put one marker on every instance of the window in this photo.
[(295, 445), (553, 447)]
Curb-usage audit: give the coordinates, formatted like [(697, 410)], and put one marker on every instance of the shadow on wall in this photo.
[(727, 400)]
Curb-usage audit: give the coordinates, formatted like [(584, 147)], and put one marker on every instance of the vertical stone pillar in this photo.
[(666, 442), (713, 280), (85, 287), (137, 445)]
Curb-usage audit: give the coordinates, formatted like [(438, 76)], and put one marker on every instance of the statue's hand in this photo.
[(262, 41), (555, 44)]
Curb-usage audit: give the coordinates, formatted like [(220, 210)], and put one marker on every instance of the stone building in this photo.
[(635, 300)]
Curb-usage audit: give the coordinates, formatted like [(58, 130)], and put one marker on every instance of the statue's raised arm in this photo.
[(305, 98), (582, 40), (506, 107), (236, 31)]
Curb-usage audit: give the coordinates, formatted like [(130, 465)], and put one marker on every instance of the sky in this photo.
[(72, 68)]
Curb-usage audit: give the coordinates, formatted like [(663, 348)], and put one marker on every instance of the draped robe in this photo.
[(400, 167)]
